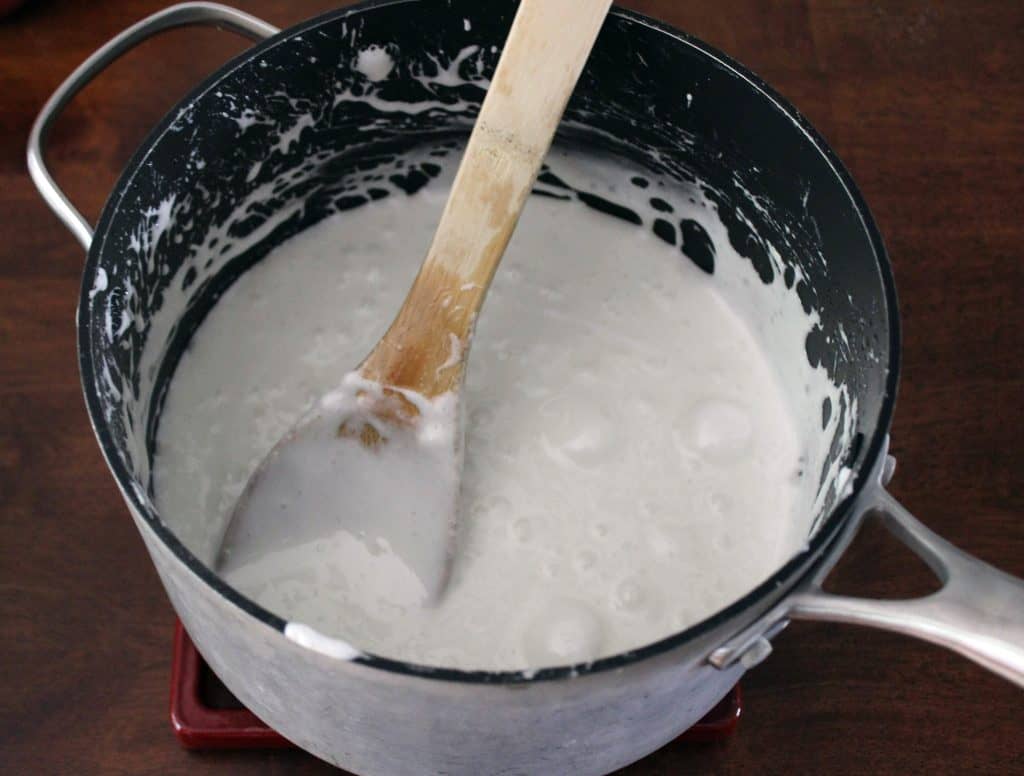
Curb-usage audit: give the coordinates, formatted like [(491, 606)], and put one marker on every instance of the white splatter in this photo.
[(375, 63), (99, 283)]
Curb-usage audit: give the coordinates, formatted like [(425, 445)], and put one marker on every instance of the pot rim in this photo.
[(784, 578)]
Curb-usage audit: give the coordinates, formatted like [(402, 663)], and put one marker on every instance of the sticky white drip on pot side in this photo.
[(635, 522)]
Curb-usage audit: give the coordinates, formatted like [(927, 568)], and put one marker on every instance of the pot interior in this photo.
[(301, 128)]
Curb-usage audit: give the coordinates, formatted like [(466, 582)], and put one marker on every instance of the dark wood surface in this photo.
[(924, 101)]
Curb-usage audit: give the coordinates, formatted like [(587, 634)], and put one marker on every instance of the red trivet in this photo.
[(205, 715)]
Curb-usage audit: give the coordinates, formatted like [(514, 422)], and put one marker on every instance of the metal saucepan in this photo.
[(650, 92)]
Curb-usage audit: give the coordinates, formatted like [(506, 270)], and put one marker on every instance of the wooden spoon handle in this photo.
[(548, 45)]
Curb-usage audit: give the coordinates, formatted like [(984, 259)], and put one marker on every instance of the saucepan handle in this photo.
[(185, 14), (978, 611)]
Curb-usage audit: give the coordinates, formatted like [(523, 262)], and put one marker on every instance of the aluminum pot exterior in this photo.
[(370, 721), (373, 716)]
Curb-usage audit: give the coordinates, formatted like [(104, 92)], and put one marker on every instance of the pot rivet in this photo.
[(888, 469), (756, 652)]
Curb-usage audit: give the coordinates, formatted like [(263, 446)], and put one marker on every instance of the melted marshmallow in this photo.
[(632, 463)]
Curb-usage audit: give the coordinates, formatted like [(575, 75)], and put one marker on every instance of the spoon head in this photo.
[(352, 499)]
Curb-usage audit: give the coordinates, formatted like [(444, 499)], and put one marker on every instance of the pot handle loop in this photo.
[(185, 14), (978, 612)]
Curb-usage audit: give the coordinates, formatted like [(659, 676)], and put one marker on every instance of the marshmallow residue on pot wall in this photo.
[(276, 198)]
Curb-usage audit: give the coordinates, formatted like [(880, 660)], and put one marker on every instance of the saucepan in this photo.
[(263, 149)]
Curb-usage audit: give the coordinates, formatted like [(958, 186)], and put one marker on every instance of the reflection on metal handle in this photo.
[(182, 15), (978, 612)]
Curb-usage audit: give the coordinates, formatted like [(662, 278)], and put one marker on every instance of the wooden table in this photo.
[(924, 101)]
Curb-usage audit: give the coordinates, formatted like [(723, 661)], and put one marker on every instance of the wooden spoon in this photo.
[(370, 476)]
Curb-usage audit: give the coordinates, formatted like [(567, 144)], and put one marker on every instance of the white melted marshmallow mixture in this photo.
[(636, 437)]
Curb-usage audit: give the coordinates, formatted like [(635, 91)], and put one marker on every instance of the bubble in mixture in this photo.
[(584, 561), (487, 505), (662, 541), (566, 631), (630, 596), (721, 503), (719, 429), (520, 529), (579, 430)]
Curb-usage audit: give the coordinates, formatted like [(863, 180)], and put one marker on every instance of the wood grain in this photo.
[(923, 100)]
